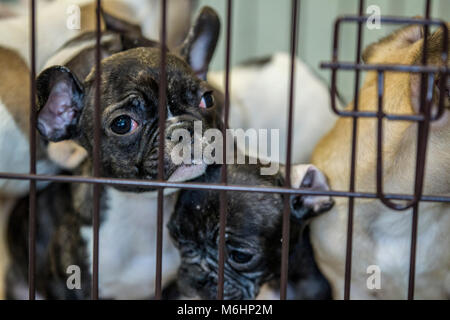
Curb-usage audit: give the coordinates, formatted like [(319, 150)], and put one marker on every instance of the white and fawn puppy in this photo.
[(381, 236), (260, 98)]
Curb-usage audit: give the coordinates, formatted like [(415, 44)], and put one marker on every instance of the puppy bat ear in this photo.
[(199, 46), (310, 178), (59, 100), (441, 82), (118, 25), (400, 38)]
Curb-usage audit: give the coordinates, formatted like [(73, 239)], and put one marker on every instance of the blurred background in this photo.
[(262, 27)]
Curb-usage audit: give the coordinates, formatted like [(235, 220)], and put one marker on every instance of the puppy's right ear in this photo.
[(400, 38), (199, 46), (60, 100)]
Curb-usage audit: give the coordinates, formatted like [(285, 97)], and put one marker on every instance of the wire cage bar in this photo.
[(295, 7), (32, 201), (161, 125), (97, 155), (223, 193)]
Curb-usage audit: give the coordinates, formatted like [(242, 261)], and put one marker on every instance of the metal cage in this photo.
[(424, 118)]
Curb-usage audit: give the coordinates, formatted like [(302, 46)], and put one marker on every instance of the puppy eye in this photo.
[(240, 257), (123, 124), (207, 101)]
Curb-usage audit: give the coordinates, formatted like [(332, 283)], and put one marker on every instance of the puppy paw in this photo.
[(303, 207)]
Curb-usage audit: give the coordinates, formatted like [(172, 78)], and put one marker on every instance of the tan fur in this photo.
[(382, 236), (15, 92), (89, 17)]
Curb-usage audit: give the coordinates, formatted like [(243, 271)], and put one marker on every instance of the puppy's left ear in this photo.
[(199, 46), (60, 101), (310, 178), (441, 85)]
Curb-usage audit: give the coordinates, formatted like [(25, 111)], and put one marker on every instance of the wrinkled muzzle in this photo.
[(201, 281), (187, 151)]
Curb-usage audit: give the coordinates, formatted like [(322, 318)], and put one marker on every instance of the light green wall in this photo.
[(261, 27)]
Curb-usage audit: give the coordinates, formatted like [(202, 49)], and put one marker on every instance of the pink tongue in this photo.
[(187, 172)]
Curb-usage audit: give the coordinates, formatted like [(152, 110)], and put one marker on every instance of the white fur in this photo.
[(259, 100), (51, 34), (16, 155), (148, 12), (127, 250), (68, 53), (52, 31), (382, 238), (66, 154)]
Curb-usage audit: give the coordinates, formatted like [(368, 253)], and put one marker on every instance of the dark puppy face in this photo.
[(129, 104), (252, 236)]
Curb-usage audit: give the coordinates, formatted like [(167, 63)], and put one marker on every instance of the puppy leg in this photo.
[(6, 205), (268, 293), (306, 282)]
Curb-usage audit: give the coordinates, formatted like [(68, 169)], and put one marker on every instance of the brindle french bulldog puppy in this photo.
[(253, 235), (129, 149)]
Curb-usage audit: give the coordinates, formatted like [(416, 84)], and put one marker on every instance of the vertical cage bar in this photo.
[(380, 115), (161, 125), (223, 194), (97, 156), (423, 127), (32, 198), (380, 90), (351, 201), (295, 5), (426, 94), (412, 259)]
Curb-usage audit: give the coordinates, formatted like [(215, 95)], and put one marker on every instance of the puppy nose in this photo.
[(196, 273)]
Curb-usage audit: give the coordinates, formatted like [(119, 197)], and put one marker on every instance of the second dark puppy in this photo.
[(253, 235)]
